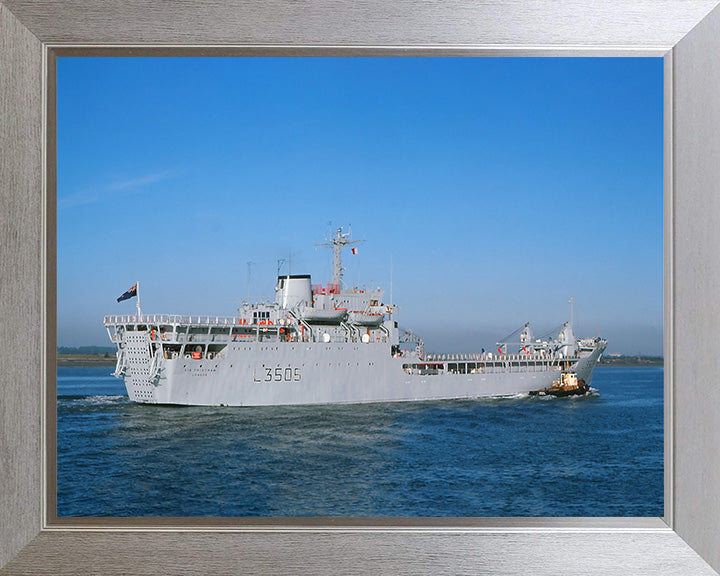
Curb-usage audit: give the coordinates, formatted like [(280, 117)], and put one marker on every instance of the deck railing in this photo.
[(171, 319), (489, 357)]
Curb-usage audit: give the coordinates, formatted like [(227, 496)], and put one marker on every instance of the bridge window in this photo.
[(261, 316)]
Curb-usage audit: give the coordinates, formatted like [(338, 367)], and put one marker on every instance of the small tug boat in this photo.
[(568, 385)]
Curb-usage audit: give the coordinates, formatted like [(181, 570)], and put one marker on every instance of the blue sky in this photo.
[(497, 187)]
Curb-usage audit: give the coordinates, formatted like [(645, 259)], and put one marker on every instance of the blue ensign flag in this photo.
[(129, 294)]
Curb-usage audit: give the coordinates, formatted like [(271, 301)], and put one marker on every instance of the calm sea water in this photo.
[(597, 455)]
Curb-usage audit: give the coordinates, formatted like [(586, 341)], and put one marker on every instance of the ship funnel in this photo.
[(293, 290)]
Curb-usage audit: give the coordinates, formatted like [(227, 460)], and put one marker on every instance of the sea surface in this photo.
[(595, 455)]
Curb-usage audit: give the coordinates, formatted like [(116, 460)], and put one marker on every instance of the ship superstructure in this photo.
[(324, 343)]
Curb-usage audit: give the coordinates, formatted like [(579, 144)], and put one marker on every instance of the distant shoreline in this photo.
[(86, 359), (632, 361)]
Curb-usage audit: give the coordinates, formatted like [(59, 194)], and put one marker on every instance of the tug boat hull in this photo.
[(568, 385)]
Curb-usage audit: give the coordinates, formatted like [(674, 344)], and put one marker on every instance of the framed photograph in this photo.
[(316, 391), (650, 545)]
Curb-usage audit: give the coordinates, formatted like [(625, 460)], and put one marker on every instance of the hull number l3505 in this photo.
[(279, 374)]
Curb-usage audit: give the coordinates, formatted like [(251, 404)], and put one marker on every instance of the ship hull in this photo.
[(257, 374)]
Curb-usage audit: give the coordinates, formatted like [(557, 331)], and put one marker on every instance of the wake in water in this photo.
[(96, 400), (591, 393)]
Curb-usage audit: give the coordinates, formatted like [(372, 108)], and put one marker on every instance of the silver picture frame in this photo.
[(686, 33)]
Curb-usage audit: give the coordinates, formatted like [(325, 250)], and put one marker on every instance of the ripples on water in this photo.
[(596, 455)]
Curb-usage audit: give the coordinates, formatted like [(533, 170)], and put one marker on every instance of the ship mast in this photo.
[(337, 243), (137, 302)]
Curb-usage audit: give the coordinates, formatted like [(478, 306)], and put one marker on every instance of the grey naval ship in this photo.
[(325, 343)]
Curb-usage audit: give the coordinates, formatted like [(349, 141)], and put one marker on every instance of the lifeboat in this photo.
[(366, 318), (333, 316)]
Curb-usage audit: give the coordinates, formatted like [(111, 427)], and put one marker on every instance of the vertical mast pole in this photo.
[(249, 264), (338, 242), (137, 291), (337, 263)]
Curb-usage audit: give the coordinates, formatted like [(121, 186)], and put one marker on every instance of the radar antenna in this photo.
[(337, 243)]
